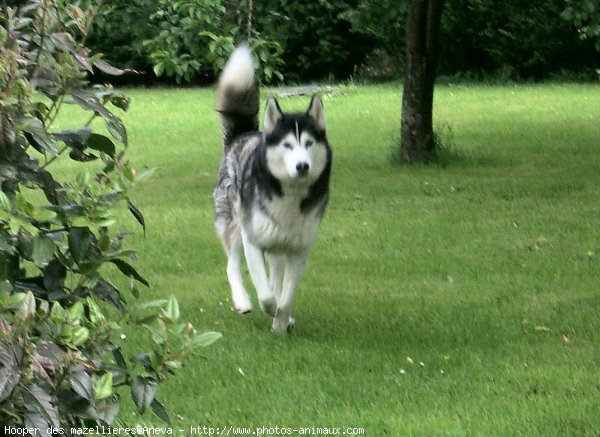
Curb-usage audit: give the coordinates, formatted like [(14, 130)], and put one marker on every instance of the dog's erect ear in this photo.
[(272, 115), (317, 112)]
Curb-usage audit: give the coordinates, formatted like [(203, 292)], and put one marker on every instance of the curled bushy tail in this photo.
[(237, 96)]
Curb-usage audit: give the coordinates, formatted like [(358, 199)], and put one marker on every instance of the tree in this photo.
[(423, 20)]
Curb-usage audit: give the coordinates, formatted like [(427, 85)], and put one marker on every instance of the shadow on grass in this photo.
[(447, 154)]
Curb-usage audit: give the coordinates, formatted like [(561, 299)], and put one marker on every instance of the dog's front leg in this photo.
[(276, 271), (295, 265), (255, 259)]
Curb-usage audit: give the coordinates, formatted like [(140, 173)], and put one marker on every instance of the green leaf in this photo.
[(79, 336), (101, 144), (143, 391), (39, 402), (129, 271), (268, 72), (42, 251), (173, 364), (95, 313), (26, 311), (84, 249), (159, 69), (57, 313), (75, 313), (104, 242), (4, 201), (103, 386), (81, 243), (171, 310), (74, 137), (151, 304), (81, 383), (129, 173), (79, 156), (5, 288), (107, 292), (118, 355), (105, 67), (9, 378), (44, 215), (206, 339), (36, 134), (160, 410), (82, 222), (145, 174), (117, 129), (137, 214), (54, 275)]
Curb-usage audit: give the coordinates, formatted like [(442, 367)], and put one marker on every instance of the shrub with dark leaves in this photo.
[(60, 354)]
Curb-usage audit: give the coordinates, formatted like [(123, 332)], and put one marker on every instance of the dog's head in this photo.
[(296, 143)]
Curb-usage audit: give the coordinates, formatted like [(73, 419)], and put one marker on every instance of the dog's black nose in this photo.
[(302, 168)]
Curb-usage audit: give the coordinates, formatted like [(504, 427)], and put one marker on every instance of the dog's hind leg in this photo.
[(256, 267), (239, 295), (295, 265)]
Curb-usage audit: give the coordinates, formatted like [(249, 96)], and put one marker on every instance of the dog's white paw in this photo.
[(269, 306), (242, 303), (282, 325)]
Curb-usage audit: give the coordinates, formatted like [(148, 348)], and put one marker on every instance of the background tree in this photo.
[(423, 21)]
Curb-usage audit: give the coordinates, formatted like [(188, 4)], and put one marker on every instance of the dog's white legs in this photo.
[(258, 273), (294, 269), (239, 295), (276, 271)]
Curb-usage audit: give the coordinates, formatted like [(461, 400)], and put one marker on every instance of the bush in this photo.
[(485, 39), (183, 40), (515, 40), (59, 341), (317, 39)]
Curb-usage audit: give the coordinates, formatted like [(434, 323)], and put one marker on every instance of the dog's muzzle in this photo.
[(302, 169)]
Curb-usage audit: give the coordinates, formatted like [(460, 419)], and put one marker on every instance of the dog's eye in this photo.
[(287, 145), (309, 143)]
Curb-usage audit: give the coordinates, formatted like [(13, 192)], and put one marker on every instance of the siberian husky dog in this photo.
[(272, 190)]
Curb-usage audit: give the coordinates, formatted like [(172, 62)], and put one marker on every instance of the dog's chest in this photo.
[(278, 224)]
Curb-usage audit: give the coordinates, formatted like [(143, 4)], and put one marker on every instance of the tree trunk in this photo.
[(422, 46)]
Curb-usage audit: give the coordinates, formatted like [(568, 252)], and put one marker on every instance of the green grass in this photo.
[(479, 269)]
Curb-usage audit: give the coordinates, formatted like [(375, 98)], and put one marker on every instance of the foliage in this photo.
[(190, 40), (59, 338), (512, 40), (383, 22), (178, 48), (316, 37), (119, 30), (187, 40), (585, 14), (509, 40)]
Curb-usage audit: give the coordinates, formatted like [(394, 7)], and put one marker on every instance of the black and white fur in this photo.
[(272, 190)]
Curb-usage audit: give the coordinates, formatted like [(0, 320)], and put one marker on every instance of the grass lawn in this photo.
[(439, 300)]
